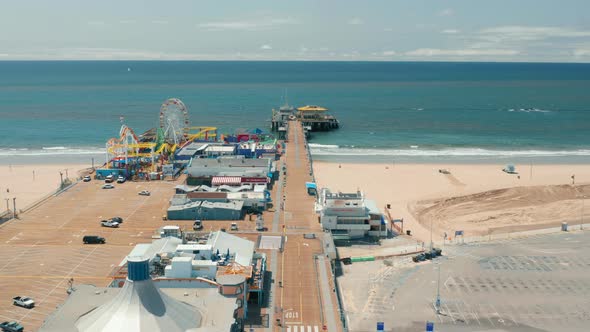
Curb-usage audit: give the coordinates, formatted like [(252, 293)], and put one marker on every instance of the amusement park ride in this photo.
[(148, 154)]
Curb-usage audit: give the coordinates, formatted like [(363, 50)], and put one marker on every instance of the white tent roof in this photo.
[(140, 306)]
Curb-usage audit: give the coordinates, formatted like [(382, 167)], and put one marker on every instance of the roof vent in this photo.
[(138, 268)]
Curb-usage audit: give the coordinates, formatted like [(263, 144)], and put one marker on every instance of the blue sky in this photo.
[(390, 30)]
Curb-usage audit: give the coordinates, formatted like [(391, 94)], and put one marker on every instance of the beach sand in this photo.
[(28, 187), (419, 194)]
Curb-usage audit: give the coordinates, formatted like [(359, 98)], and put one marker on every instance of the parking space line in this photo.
[(471, 311), (465, 320), (448, 311)]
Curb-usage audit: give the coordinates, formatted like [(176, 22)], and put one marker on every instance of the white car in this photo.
[(121, 179), (144, 193), (86, 178), (109, 223), (23, 301), (108, 186), (234, 226)]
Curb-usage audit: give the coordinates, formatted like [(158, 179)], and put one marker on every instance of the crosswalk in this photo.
[(302, 328)]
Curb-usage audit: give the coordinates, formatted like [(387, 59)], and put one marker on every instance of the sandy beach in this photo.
[(28, 183), (476, 198)]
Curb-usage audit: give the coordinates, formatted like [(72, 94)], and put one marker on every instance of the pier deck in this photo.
[(43, 249), (299, 297)]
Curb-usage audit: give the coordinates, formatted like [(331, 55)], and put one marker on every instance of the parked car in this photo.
[(11, 327), (121, 179), (86, 178), (438, 251), (234, 226), (144, 193), (419, 258), (117, 219), (197, 225), (108, 186), (109, 223), (93, 239), (109, 179), (22, 301)]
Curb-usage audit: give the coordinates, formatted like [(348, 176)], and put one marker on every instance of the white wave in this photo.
[(324, 146), (450, 152), (529, 110), (54, 148), (51, 151)]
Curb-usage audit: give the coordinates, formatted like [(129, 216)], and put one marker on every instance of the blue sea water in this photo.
[(408, 111)]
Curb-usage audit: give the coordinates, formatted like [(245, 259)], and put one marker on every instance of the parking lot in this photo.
[(538, 283), (42, 250)]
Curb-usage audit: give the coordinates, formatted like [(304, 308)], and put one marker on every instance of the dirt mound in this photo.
[(482, 212)]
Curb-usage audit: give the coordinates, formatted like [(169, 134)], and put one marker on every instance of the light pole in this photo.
[(7, 206), (582, 214), (14, 207), (437, 303)]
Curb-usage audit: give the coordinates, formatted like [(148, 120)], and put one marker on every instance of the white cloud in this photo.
[(430, 52), (388, 29), (127, 22), (253, 25), (446, 12), (3, 54), (451, 31), (159, 22), (529, 33), (96, 23), (355, 21), (266, 47), (582, 52), (389, 53)]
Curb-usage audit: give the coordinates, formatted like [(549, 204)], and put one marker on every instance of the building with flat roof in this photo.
[(350, 215), (205, 263)]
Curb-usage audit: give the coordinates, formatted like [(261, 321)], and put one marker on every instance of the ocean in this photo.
[(388, 111)]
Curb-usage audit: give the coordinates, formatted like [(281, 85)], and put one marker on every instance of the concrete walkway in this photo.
[(326, 294)]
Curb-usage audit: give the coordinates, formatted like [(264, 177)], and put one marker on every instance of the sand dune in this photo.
[(491, 211)]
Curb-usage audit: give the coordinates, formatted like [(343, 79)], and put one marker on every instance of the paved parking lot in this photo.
[(539, 283), (42, 250)]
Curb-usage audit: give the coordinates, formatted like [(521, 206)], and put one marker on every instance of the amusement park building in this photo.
[(205, 263), (206, 210)]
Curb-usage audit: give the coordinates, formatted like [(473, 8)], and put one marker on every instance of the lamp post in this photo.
[(7, 206), (14, 207), (437, 303), (582, 214)]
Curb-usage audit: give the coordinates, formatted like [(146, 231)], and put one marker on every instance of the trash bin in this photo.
[(564, 227), (408, 232)]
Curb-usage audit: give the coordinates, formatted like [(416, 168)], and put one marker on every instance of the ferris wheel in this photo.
[(174, 121)]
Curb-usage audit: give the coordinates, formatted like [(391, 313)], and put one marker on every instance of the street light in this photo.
[(582, 214), (437, 303)]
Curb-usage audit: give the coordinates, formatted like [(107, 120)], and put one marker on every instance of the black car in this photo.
[(117, 219), (419, 258), (93, 239), (438, 251), (11, 327)]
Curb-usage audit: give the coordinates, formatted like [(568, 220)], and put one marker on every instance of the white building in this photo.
[(350, 215)]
